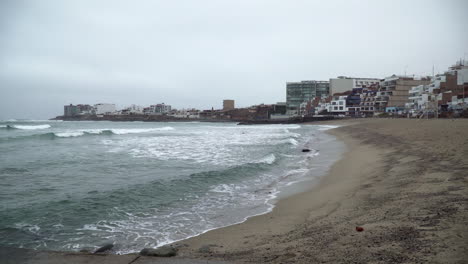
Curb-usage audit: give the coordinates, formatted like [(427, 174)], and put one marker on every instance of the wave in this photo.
[(270, 159), (24, 127), (327, 127), (88, 132)]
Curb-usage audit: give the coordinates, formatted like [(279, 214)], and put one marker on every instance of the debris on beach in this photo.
[(305, 150), (359, 228)]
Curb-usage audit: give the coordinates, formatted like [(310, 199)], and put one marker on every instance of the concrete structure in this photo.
[(228, 104), (338, 105), (186, 113), (304, 91), (394, 91), (81, 109), (343, 83), (132, 110), (70, 110), (157, 109), (104, 109)]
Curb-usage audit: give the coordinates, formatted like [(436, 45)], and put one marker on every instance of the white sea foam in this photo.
[(69, 134), (268, 159), (139, 130), (31, 127), (326, 127)]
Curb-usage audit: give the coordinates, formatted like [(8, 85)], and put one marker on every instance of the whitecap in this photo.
[(139, 130), (326, 127), (69, 134), (268, 159), (31, 127)]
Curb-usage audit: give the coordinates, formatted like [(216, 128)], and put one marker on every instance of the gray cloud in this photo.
[(195, 53)]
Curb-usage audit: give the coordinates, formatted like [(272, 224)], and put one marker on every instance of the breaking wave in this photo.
[(24, 127)]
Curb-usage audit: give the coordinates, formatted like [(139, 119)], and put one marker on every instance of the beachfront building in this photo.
[(104, 109), (70, 110), (337, 105), (342, 84), (304, 91), (368, 100), (157, 109), (228, 104), (132, 110), (394, 92), (80, 109), (191, 113), (455, 86)]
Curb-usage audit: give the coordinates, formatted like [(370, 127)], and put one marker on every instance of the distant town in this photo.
[(441, 95)]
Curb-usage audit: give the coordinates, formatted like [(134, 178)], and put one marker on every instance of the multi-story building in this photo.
[(368, 100), (342, 84), (394, 92), (80, 109), (304, 91), (338, 105), (104, 109), (132, 110), (70, 110), (228, 104)]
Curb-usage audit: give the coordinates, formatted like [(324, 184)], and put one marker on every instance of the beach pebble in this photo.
[(164, 251), (359, 228), (305, 150)]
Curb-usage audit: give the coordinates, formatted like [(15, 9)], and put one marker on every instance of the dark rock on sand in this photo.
[(305, 150), (164, 251), (104, 248)]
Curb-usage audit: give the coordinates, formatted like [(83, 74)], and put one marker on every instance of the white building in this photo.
[(157, 109), (102, 109), (132, 110), (343, 83), (338, 105)]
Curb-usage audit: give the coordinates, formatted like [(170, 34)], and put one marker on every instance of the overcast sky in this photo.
[(196, 53)]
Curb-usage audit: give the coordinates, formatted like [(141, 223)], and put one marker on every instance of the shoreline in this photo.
[(371, 186), (403, 181)]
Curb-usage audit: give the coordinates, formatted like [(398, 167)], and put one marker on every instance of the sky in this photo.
[(197, 53)]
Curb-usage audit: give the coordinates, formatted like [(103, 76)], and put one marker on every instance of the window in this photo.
[(333, 103), (341, 102), (335, 108), (341, 108)]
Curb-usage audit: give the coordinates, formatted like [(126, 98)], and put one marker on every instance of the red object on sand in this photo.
[(359, 229)]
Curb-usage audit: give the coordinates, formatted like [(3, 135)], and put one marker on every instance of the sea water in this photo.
[(74, 185)]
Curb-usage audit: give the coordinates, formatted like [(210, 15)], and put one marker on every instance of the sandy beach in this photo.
[(403, 181)]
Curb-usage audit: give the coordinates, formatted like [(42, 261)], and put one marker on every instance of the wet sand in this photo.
[(403, 181)]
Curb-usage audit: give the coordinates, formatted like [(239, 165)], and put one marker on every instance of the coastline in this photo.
[(402, 180), (382, 183)]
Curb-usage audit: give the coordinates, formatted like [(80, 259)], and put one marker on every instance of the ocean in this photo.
[(73, 185)]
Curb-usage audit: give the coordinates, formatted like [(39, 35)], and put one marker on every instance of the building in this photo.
[(104, 109), (368, 100), (342, 84), (70, 110), (228, 104), (337, 105), (304, 91), (80, 109), (132, 110), (394, 91)]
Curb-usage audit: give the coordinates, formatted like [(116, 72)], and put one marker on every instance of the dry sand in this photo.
[(404, 181)]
